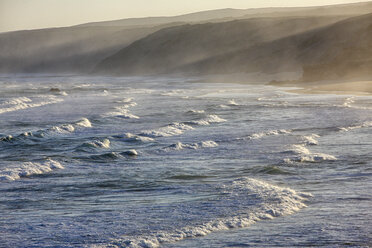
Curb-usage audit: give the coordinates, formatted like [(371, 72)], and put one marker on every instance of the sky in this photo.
[(35, 14)]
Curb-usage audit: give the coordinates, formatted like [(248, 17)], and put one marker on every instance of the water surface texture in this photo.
[(147, 162)]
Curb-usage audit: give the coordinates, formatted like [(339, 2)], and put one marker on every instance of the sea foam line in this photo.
[(263, 201), (349, 128), (25, 103)]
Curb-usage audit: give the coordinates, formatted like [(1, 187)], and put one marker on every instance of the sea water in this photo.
[(172, 162)]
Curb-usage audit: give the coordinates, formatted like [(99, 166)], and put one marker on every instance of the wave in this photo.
[(125, 100), (180, 146), (106, 156), (348, 101), (60, 129), (299, 153), (232, 103), (84, 122), (261, 135), (173, 93), (167, 131), (105, 143), (349, 128), (21, 103), (131, 152), (250, 200), (311, 139), (194, 111), (123, 111), (135, 138), (28, 169), (69, 128), (206, 121), (65, 128)]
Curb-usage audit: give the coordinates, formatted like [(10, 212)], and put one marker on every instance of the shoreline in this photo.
[(358, 88)]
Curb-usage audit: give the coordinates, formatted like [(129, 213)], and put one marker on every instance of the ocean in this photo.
[(173, 162)]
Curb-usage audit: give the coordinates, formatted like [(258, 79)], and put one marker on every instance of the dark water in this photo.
[(144, 162)]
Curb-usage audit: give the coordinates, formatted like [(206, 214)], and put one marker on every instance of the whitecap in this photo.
[(311, 139), (84, 122), (194, 111), (21, 103), (233, 103), (65, 128), (207, 120), (133, 137), (105, 143), (267, 133), (349, 128), (194, 146), (302, 154), (25, 169), (167, 131)]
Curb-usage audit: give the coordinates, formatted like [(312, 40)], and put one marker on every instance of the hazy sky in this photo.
[(31, 14)]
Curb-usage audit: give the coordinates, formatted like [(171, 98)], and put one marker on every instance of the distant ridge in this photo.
[(316, 47), (208, 42)]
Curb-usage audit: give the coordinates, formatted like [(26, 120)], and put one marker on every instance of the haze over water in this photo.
[(143, 162)]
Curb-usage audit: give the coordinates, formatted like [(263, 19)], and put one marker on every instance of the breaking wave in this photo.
[(194, 146), (349, 128), (206, 121), (20, 103), (123, 110), (299, 153), (243, 202), (26, 169), (135, 138), (311, 139), (167, 131), (261, 135), (59, 129), (105, 143)]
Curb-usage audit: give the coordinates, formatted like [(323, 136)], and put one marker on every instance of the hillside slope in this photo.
[(73, 49), (320, 47), (339, 51), (174, 47)]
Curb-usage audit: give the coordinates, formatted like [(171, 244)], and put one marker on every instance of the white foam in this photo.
[(69, 128), (17, 100), (131, 152), (311, 139), (105, 143), (123, 112), (267, 133), (363, 125), (125, 100), (233, 103), (15, 172), (257, 201), (65, 128), (301, 154), (173, 93), (133, 137), (84, 122), (180, 146), (25, 103), (167, 131), (348, 101), (194, 111), (207, 120)]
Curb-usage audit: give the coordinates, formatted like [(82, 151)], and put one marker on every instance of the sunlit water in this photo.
[(144, 162)]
